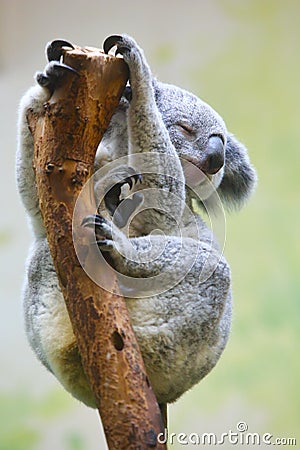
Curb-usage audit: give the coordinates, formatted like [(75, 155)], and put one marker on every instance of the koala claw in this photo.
[(93, 221), (133, 179), (120, 42), (111, 41), (112, 197), (127, 94), (54, 49), (102, 229)]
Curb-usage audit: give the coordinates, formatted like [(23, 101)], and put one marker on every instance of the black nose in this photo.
[(213, 158)]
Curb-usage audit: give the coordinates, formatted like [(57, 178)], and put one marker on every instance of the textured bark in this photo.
[(66, 139)]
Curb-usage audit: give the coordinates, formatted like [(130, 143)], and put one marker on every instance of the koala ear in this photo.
[(239, 177)]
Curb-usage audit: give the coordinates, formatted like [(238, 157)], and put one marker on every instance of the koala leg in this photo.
[(48, 326), (182, 323)]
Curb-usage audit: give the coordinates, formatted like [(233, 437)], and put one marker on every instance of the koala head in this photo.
[(200, 137)]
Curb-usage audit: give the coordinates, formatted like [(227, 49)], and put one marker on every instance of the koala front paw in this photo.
[(53, 75), (133, 55), (54, 49), (125, 45)]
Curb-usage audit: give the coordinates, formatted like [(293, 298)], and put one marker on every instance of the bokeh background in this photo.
[(242, 57)]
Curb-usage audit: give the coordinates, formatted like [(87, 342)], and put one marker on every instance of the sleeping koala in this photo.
[(174, 277)]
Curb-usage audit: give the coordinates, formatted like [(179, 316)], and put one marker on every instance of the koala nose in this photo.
[(214, 156)]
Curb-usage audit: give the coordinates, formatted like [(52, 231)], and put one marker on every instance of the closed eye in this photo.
[(187, 129)]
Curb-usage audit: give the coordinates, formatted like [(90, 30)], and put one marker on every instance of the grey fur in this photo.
[(183, 330)]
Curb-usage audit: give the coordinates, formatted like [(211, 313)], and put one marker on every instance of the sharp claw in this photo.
[(110, 196), (110, 42), (92, 221), (128, 93), (65, 67), (129, 181), (101, 242), (61, 67), (88, 221), (134, 178), (54, 49), (105, 245), (138, 177)]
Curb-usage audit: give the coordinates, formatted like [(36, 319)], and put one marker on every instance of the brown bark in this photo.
[(66, 139)]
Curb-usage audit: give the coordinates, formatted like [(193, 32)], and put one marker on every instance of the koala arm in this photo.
[(33, 100), (148, 134), (143, 112)]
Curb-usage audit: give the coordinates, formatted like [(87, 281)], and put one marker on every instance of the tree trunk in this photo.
[(66, 139)]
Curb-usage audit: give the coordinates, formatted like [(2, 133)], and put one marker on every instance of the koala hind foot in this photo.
[(103, 231)]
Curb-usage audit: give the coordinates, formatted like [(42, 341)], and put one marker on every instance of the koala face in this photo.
[(201, 140), (197, 132)]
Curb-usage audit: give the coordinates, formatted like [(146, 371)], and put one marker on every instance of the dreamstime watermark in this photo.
[(160, 203), (240, 436)]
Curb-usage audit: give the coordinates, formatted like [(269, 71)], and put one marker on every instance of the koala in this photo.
[(175, 279)]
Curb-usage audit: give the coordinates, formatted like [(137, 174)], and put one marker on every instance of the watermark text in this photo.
[(240, 436)]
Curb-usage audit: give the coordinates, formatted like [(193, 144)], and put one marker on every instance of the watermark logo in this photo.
[(145, 216), (240, 436)]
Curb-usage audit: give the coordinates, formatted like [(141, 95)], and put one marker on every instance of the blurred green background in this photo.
[(242, 57)]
